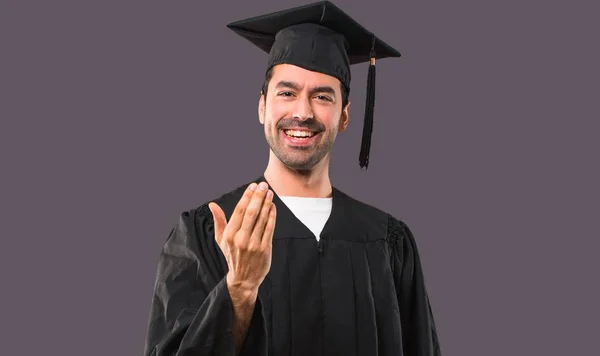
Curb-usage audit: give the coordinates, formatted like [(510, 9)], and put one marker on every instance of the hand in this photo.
[(246, 240)]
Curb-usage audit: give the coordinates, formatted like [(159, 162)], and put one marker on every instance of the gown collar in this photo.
[(288, 225)]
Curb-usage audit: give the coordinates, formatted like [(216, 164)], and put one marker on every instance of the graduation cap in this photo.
[(320, 37)]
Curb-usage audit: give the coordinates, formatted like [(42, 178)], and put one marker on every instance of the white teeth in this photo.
[(296, 133)]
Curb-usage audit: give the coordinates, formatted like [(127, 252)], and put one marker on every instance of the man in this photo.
[(294, 266)]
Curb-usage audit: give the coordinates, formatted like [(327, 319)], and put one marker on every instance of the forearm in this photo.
[(243, 300)]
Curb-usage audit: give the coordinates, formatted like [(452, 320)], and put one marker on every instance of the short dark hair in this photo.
[(269, 75)]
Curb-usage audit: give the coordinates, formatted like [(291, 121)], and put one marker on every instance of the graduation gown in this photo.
[(358, 291)]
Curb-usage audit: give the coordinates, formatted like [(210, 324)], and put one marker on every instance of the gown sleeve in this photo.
[(191, 311), (419, 334)]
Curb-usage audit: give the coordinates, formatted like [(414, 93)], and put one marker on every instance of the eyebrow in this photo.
[(295, 86)]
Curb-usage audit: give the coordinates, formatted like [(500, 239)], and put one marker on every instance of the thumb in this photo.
[(219, 220)]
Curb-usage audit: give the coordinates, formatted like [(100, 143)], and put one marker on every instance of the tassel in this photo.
[(369, 110)]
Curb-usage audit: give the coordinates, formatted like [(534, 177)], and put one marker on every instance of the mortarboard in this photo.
[(320, 37)]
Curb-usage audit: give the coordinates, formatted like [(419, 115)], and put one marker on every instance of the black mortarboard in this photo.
[(320, 37)]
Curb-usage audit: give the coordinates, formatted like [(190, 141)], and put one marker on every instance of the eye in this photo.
[(286, 93), (323, 97)]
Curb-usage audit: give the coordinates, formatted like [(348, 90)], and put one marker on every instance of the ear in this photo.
[(345, 117), (261, 108)]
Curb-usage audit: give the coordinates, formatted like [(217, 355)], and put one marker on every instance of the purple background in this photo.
[(116, 116)]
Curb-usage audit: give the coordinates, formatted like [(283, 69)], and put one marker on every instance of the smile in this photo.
[(299, 134), (299, 138)]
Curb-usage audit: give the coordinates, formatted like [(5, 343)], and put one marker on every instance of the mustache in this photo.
[(309, 124)]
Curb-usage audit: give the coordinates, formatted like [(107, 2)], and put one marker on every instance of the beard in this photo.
[(300, 158)]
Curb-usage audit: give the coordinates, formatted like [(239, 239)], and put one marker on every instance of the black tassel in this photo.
[(369, 110)]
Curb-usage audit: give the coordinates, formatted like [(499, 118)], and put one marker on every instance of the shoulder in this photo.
[(395, 227)]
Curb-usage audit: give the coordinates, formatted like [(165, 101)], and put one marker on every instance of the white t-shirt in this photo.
[(312, 212)]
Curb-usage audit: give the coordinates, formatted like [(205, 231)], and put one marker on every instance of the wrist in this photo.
[(241, 289)]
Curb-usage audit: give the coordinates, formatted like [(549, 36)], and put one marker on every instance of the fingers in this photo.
[(237, 217), (253, 209), (259, 226), (267, 237), (219, 220)]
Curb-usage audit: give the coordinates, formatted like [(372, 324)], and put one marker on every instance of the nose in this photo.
[(303, 109)]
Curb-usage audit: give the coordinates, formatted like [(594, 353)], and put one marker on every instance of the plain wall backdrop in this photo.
[(116, 116)]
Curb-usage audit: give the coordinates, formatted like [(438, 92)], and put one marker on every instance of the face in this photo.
[(302, 114)]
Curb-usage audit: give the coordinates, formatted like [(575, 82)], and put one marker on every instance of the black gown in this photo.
[(358, 291)]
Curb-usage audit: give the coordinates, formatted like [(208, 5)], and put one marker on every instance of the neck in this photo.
[(285, 181)]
